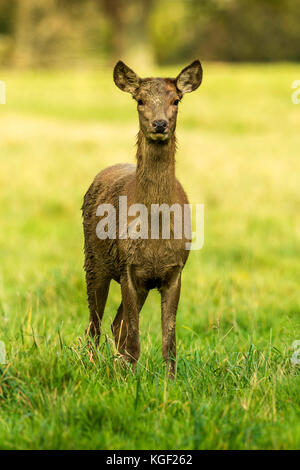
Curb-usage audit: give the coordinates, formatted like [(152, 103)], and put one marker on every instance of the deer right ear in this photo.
[(190, 77), (125, 78)]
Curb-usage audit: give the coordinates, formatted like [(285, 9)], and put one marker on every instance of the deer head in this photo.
[(158, 98)]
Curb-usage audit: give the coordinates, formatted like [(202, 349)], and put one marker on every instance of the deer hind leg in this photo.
[(97, 291), (170, 293), (119, 330), (126, 324)]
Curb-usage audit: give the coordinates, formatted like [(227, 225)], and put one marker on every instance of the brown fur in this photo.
[(140, 265)]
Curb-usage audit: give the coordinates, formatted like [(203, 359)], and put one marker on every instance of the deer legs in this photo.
[(125, 326), (97, 296), (119, 326), (170, 293)]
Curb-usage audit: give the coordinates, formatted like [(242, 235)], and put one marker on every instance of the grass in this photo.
[(236, 387)]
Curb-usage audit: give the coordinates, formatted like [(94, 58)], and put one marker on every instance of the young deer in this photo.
[(140, 264)]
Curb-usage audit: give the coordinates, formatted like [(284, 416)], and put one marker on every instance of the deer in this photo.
[(140, 265)]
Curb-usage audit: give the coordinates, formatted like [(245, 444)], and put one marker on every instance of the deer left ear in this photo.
[(125, 78), (190, 77)]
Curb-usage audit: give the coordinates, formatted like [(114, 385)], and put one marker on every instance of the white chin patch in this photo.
[(160, 137)]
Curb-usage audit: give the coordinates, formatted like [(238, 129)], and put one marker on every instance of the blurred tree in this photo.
[(35, 32), (7, 23), (7, 15), (179, 29), (116, 11), (55, 31), (128, 20), (235, 30)]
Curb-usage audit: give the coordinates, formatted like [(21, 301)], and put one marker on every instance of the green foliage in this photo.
[(7, 14), (236, 387), (235, 30), (170, 31)]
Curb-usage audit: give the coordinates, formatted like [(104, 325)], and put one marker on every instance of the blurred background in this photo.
[(238, 153), (48, 32)]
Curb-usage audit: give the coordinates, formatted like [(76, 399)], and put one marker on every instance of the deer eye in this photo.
[(176, 102), (140, 102)]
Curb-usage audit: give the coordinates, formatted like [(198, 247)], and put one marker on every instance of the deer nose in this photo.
[(159, 126)]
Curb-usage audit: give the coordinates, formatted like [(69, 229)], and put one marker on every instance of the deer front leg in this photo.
[(170, 293), (97, 290), (132, 302), (119, 328)]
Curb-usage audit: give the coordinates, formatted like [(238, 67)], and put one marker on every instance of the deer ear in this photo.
[(190, 77), (125, 78)]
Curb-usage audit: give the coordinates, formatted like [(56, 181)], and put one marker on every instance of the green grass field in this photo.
[(239, 313)]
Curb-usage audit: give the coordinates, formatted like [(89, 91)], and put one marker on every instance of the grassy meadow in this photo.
[(239, 313)]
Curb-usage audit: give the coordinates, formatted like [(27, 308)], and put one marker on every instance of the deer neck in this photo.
[(155, 172)]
